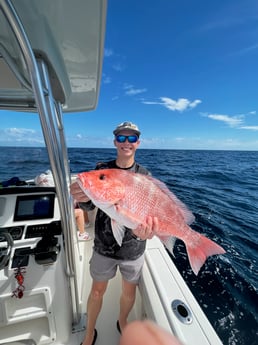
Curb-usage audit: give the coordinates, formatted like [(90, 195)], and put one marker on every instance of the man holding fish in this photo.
[(132, 207), (128, 255)]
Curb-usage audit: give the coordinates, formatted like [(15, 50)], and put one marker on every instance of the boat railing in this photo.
[(50, 114)]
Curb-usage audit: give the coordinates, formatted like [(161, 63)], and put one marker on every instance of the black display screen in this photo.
[(30, 207)]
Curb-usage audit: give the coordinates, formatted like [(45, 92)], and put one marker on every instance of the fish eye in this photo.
[(102, 176)]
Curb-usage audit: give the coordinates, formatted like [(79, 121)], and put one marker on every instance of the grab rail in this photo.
[(51, 122)]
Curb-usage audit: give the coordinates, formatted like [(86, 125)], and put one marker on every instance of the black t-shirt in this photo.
[(104, 242)]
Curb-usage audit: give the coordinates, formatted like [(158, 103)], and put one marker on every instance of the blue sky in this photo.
[(185, 71)]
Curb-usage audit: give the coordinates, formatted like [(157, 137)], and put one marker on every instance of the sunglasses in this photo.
[(130, 138)]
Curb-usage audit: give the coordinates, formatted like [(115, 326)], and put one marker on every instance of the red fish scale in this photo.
[(146, 199)]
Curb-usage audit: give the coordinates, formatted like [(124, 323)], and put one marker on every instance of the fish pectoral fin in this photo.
[(130, 220), (169, 242), (118, 231)]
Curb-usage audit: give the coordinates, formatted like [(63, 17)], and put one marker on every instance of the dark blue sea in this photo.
[(221, 189)]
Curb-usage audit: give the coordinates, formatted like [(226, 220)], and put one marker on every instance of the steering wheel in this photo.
[(6, 256)]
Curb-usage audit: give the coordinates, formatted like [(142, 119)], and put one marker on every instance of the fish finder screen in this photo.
[(29, 207)]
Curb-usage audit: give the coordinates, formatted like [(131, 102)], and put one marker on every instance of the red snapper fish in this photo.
[(128, 198)]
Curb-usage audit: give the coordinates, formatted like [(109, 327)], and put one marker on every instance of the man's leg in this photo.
[(86, 217), (94, 305), (126, 301), (131, 272), (79, 217)]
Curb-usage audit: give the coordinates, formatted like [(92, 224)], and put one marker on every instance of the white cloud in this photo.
[(18, 136), (132, 91), (106, 79), (179, 139), (235, 121), (232, 121), (181, 104), (19, 131), (246, 50), (108, 52), (118, 67), (197, 143), (127, 86), (251, 128)]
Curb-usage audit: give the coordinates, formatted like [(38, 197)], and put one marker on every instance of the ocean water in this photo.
[(221, 189)]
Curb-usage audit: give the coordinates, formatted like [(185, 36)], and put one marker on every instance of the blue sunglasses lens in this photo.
[(130, 138)]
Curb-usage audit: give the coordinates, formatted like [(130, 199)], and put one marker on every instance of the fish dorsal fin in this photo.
[(186, 213), (118, 231)]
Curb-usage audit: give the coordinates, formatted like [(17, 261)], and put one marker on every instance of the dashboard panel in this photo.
[(29, 212)]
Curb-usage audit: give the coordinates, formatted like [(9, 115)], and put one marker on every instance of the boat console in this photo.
[(29, 226), (31, 262)]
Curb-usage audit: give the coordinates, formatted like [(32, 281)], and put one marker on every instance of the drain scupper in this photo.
[(182, 311)]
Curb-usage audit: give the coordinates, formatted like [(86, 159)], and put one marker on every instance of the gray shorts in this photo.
[(103, 268)]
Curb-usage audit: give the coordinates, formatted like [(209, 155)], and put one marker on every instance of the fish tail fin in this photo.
[(199, 248)]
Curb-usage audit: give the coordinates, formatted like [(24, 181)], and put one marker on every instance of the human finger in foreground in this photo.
[(146, 332)]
